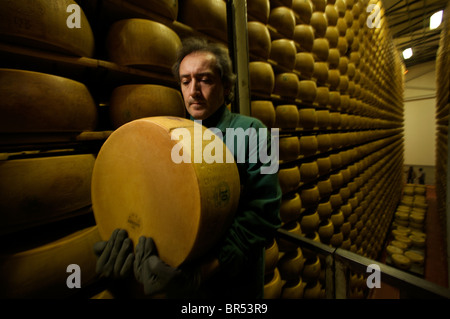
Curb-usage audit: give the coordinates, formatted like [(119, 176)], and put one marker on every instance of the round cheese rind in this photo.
[(158, 177), (59, 26), (43, 189), (134, 101), (39, 102), (43, 272), (143, 43)]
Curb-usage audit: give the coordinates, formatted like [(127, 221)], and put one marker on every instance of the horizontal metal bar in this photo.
[(304, 242), (408, 284), (413, 285)]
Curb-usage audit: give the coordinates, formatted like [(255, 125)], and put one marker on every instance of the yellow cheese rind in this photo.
[(47, 25), (207, 16), (138, 184), (132, 102), (38, 190), (42, 272), (143, 43), (39, 102)]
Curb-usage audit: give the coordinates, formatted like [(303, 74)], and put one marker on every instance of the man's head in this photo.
[(205, 74)]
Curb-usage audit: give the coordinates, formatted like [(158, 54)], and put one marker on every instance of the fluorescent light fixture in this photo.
[(407, 53), (435, 20)]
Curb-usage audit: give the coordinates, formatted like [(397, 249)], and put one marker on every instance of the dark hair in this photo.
[(223, 61)]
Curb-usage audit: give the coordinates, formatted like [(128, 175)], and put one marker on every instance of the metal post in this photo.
[(238, 45), (340, 279)]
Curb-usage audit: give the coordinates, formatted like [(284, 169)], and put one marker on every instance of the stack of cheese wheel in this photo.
[(47, 25), (44, 271), (349, 122), (39, 102), (166, 8), (133, 101), (207, 16), (157, 177), (143, 43), (51, 188)]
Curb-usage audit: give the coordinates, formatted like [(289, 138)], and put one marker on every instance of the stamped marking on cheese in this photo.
[(222, 194), (134, 221)]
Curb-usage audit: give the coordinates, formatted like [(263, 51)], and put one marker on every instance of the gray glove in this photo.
[(115, 256), (158, 277), (144, 249)]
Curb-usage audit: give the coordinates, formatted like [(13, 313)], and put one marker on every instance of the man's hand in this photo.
[(115, 256), (144, 249), (158, 277)]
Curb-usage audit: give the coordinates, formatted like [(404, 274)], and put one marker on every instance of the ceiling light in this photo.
[(407, 53), (436, 20)]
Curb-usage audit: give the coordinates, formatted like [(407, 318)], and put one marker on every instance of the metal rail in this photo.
[(339, 262)]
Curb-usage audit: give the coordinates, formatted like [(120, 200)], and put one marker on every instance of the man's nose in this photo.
[(195, 87)]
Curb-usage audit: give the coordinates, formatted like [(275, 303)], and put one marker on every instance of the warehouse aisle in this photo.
[(435, 261)]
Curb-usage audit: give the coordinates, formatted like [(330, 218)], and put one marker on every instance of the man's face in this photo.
[(201, 85)]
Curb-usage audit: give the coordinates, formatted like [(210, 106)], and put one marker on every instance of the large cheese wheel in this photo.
[(43, 272), (304, 63), (286, 116), (283, 20), (155, 177), (304, 9), (39, 102), (304, 36), (286, 85), (264, 111), (290, 208), (283, 52), (262, 77), (259, 41), (134, 101), (320, 49), (307, 118), (143, 43), (208, 16), (166, 8), (319, 23), (47, 25), (291, 265), (307, 91), (38, 190), (273, 286), (289, 179), (289, 148)]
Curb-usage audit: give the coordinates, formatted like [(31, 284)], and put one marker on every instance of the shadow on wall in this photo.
[(428, 172)]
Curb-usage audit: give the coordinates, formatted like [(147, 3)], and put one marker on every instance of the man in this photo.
[(234, 268)]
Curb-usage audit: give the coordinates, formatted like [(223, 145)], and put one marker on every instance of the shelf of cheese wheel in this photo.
[(143, 43), (42, 272), (206, 16), (151, 179), (40, 190), (39, 102), (47, 25), (134, 101)]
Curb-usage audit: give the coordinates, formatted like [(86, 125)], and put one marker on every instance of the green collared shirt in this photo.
[(241, 250)]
